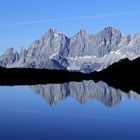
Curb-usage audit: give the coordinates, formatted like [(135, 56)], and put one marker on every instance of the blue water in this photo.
[(26, 115)]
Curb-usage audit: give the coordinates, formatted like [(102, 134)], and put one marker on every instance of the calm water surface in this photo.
[(69, 111)]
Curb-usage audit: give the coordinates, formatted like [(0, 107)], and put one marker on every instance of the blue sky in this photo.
[(23, 21)]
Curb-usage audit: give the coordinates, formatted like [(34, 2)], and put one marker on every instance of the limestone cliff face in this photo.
[(82, 52)]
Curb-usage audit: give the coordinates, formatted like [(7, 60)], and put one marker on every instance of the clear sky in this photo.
[(23, 21)]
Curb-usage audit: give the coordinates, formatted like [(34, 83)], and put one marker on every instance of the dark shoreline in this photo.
[(29, 76), (124, 75)]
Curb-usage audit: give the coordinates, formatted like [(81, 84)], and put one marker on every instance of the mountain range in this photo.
[(83, 52)]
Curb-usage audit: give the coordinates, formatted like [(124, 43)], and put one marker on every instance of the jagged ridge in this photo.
[(82, 52)]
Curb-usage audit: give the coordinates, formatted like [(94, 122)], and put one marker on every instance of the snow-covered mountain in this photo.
[(82, 52), (83, 91)]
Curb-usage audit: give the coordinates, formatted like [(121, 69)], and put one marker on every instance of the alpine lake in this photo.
[(69, 111)]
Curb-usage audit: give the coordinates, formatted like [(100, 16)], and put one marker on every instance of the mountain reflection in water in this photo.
[(83, 91)]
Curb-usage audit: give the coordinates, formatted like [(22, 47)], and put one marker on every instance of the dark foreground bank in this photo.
[(29, 76), (124, 75)]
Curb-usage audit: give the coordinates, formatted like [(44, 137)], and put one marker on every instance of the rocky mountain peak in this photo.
[(110, 29), (52, 33), (10, 50), (9, 57), (82, 52), (82, 33), (109, 32)]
